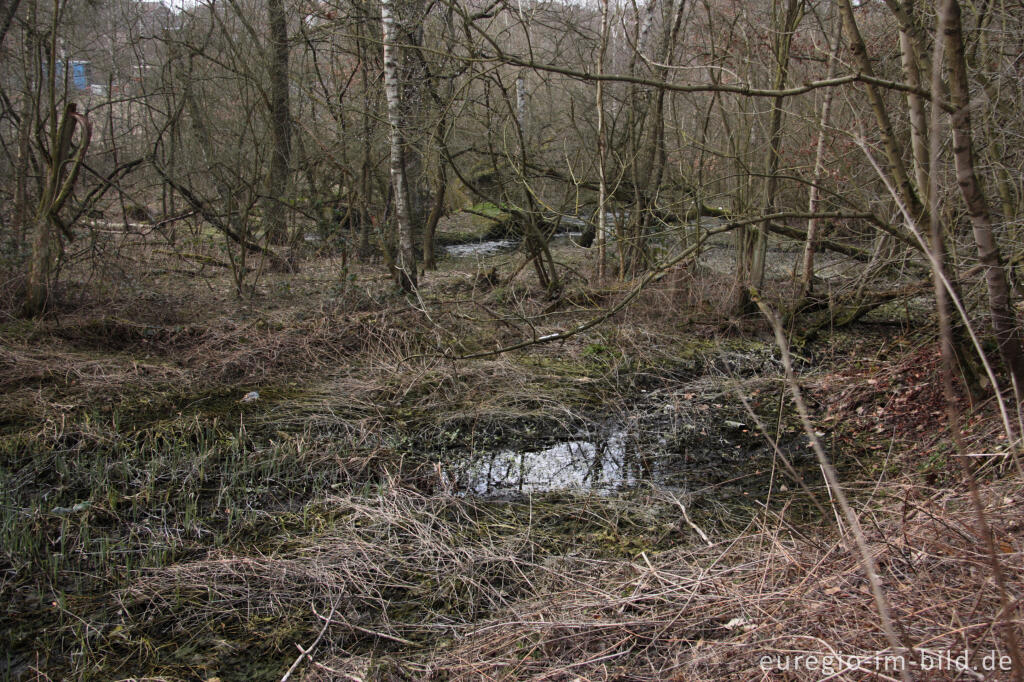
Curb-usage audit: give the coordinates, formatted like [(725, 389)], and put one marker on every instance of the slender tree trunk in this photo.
[(813, 202), (893, 153), (366, 146), (918, 119), (521, 99), (405, 261), (938, 248), (602, 145), (1004, 320), (535, 239), (280, 125), (751, 270), (38, 282), (917, 35), (38, 285), (647, 151), (436, 209), (21, 197)]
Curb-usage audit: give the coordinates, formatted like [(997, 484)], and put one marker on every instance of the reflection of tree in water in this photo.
[(569, 464), (607, 462)]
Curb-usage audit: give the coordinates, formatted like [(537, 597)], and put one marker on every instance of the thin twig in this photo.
[(303, 653)]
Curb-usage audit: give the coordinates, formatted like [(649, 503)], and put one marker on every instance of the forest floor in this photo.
[(610, 506)]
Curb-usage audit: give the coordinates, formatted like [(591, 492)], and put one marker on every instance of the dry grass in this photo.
[(220, 536), (490, 605)]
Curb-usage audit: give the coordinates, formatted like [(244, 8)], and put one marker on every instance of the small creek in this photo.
[(493, 246)]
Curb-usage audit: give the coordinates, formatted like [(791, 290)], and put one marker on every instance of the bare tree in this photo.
[(602, 146), (753, 243), (62, 169), (405, 261), (61, 160), (280, 123), (1004, 320), (814, 193)]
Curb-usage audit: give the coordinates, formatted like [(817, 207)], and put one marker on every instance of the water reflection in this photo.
[(574, 464)]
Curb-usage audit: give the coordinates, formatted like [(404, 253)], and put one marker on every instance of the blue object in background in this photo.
[(80, 75)]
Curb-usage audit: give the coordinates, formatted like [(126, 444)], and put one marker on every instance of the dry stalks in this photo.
[(488, 605), (312, 510)]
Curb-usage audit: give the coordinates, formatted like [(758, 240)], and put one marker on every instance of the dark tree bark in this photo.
[(8, 8), (280, 124)]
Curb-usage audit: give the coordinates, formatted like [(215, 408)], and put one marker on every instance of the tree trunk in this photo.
[(62, 170), (405, 260), (893, 153), (38, 285), (813, 201), (436, 209), (21, 171), (917, 37), (754, 242), (947, 336), (918, 120), (534, 238), (1004, 320), (521, 100), (646, 127), (602, 146), (366, 145), (280, 125)]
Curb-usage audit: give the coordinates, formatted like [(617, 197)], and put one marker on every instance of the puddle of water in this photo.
[(573, 465), (676, 444)]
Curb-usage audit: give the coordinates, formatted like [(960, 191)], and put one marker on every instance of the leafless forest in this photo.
[(478, 339)]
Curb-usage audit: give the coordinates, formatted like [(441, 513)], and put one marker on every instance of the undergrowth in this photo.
[(154, 524)]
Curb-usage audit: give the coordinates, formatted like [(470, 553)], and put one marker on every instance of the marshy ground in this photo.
[(611, 506)]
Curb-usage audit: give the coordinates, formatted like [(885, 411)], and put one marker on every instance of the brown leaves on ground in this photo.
[(878, 402)]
